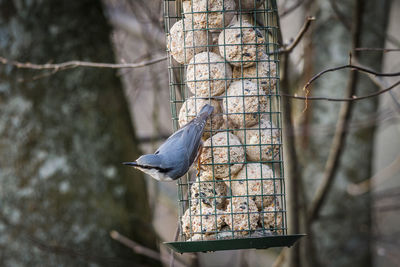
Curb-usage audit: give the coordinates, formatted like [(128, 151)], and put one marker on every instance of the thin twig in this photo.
[(381, 84), (354, 98), (299, 36), (353, 67), (76, 63), (136, 247), (139, 249), (377, 49), (348, 66)]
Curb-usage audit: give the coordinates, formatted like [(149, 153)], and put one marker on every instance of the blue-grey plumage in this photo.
[(175, 156)]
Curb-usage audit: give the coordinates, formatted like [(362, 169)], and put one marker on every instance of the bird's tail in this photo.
[(202, 116), (205, 112)]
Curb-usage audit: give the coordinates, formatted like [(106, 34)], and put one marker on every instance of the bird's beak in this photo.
[(133, 164)]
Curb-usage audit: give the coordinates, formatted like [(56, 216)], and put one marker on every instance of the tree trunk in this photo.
[(342, 233), (62, 140)]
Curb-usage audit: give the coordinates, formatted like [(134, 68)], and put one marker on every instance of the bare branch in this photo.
[(377, 49), (353, 98), (139, 249), (352, 67), (299, 36), (136, 247), (76, 63), (348, 66)]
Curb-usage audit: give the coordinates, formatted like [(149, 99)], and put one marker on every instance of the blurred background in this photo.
[(65, 129)]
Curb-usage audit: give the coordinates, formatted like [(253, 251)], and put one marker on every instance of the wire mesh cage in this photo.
[(225, 53)]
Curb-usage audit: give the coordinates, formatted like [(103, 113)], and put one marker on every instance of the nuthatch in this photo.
[(175, 156)]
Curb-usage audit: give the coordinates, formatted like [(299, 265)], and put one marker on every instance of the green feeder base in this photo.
[(230, 244)]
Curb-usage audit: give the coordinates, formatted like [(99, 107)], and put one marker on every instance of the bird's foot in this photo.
[(198, 161)]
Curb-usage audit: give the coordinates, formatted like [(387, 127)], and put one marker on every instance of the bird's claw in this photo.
[(198, 161)]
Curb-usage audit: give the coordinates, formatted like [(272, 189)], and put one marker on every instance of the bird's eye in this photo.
[(156, 152)]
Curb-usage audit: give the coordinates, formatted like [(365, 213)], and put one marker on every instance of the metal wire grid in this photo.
[(205, 220)]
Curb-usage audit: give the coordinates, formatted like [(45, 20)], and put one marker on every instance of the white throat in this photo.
[(156, 174)]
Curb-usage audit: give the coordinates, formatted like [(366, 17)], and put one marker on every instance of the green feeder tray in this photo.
[(230, 244)]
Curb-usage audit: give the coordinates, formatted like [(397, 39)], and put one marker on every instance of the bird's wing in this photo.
[(194, 131), (187, 139), (173, 138)]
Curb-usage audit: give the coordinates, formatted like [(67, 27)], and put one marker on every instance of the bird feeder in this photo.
[(225, 53)]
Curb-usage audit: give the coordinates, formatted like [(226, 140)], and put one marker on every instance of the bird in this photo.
[(175, 156)]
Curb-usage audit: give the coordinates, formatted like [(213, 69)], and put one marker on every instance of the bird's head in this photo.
[(151, 164)]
